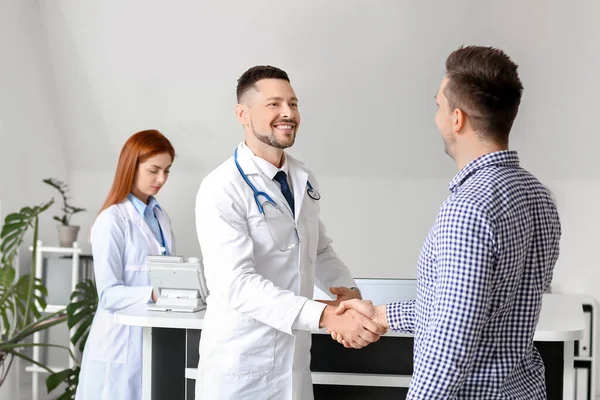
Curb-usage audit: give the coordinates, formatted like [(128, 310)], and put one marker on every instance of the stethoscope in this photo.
[(313, 194)]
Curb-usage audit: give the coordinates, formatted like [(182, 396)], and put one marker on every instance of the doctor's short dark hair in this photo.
[(255, 74), (483, 82)]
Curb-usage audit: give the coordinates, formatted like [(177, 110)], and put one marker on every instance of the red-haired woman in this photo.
[(131, 225)]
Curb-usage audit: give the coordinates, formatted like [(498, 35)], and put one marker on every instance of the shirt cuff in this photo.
[(150, 296), (358, 290), (394, 315), (309, 316)]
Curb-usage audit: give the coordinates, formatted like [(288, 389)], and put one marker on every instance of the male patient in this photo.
[(490, 254)]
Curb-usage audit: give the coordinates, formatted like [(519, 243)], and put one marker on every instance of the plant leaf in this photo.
[(14, 229), (10, 346), (22, 300), (70, 377), (57, 378), (74, 319), (81, 310), (81, 333), (26, 358), (45, 322)]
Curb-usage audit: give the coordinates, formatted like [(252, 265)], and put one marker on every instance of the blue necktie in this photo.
[(153, 224), (281, 177)]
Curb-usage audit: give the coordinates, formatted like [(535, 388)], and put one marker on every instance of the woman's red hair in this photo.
[(138, 148)]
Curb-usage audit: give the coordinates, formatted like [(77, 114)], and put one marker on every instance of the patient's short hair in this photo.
[(483, 82)]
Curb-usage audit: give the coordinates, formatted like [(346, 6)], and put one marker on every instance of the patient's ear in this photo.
[(459, 119)]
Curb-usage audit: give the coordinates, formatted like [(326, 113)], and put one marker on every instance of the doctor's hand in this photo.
[(343, 293), (357, 330), (376, 314)]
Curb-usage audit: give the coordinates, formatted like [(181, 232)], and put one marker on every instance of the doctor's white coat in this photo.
[(112, 359), (253, 345)]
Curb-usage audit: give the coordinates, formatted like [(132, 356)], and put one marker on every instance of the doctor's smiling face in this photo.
[(151, 174), (268, 107), (273, 114)]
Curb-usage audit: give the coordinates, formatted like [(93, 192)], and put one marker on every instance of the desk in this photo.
[(171, 340)]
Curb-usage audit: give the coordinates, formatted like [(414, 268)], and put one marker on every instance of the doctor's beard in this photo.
[(270, 138)]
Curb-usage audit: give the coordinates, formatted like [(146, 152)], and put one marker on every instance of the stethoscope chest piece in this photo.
[(314, 194)]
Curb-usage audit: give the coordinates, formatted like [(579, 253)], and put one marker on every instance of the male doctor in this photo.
[(263, 243)]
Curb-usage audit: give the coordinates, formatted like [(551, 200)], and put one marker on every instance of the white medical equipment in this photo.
[(179, 286)]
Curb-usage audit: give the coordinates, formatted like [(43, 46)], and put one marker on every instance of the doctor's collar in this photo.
[(265, 166)]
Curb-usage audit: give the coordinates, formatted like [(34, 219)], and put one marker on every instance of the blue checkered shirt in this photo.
[(481, 275)]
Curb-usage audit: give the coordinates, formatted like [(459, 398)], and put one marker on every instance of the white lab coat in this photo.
[(112, 359), (252, 345)]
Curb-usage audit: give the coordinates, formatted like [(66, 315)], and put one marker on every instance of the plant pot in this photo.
[(67, 234)]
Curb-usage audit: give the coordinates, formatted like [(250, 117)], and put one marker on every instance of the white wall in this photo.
[(31, 142), (365, 72)]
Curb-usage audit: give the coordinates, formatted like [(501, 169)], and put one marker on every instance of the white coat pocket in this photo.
[(280, 226), (254, 355), (110, 339)]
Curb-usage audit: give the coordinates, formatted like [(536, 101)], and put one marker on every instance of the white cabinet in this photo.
[(585, 352), (44, 254)]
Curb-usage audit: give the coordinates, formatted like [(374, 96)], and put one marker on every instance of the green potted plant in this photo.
[(22, 300), (67, 233), (80, 314)]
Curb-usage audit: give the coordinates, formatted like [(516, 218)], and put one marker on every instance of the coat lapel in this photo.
[(299, 179), (137, 219)]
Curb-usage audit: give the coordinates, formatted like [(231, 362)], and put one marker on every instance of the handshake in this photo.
[(353, 322)]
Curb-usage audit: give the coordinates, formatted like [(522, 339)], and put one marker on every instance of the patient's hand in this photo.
[(376, 314), (357, 330)]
